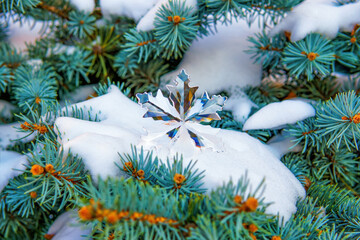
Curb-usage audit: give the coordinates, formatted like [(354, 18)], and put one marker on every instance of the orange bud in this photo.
[(26, 126), (112, 217), (177, 19), (36, 170), (170, 19), (251, 203), (312, 56), (128, 165), (33, 194), (49, 168), (179, 178), (356, 118), (85, 213), (238, 199), (49, 236), (253, 228), (37, 100), (140, 173)]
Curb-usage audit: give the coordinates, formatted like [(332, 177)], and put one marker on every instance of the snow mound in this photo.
[(122, 124), (218, 62), (278, 114), (8, 162), (321, 16)]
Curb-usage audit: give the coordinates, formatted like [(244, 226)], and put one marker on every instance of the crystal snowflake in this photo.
[(182, 107)]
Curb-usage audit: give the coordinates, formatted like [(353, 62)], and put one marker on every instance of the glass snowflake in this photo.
[(182, 107)]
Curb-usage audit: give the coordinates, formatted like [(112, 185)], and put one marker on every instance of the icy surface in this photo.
[(218, 62), (146, 23), (122, 124), (66, 227), (321, 16), (276, 115), (8, 162)]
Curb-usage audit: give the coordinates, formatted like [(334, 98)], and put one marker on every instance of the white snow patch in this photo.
[(218, 62), (320, 16), (99, 143), (84, 5), (240, 105), (27, 32), (131, 8), (9, 161), (6, 109), (66, 227), (81, 93), (9, 134), (275, 115), (282, 144)]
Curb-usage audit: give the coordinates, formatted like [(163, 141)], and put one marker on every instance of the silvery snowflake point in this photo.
[(182, 107)]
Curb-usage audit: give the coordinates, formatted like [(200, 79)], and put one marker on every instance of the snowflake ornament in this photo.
[(182, 110)]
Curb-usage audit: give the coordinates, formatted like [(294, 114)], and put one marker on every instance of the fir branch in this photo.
[(63, 13)]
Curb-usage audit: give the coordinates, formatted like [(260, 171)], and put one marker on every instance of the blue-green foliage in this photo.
[(10, 56), (306, 134), (34, 86), (139, 46), (175, 28), (338, 120), (4, 77), (3, 32), (74, 67), (55, 188), (126, 195), (166, 177), (146, 168), (103, 88), (297, 166), (17, 5), (140, 161), (81, 24), (314, 54), (126, 64), (266, 50)]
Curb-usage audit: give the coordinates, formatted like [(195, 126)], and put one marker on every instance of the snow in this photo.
[(218, 62), (6, 109), (146, 23), (282, 144), (66, 227), (276, 115), (240, 105), (80, 94), (9, 133), (84, 5), (321, 16), (27, 32), (134, 9), (122, 124), (8, 162)]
